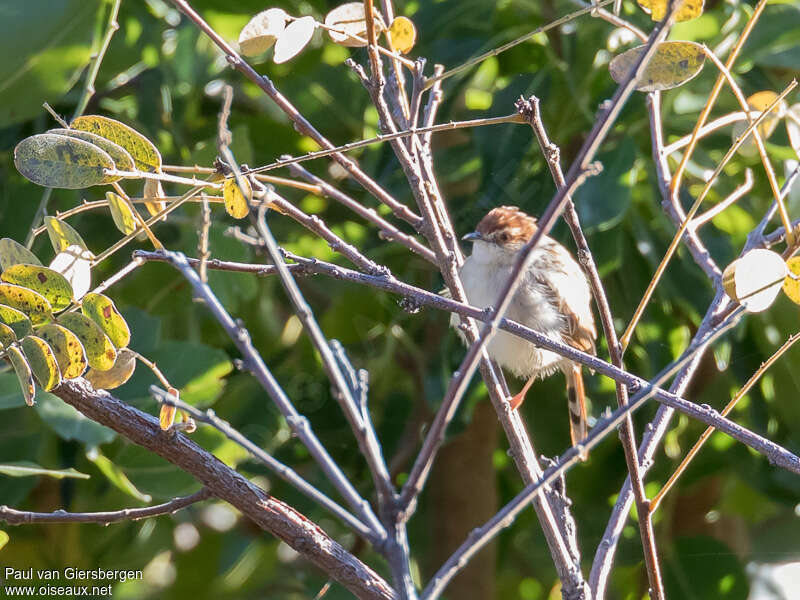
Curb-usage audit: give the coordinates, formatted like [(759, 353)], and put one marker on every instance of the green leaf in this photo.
[(62, 235), (12, 253), (123, 161), (70, 424), (24, 468), (100, 351), (145, 155), (29, 302), (46, 44), (115, 475), (50, 284), (42, 361), (17, 320), (236, 204), (673, 64), (75, 264), (117, 375), (7, 336), (24, 373), (100, 309), (57, 161), (122, 214), (68, 350)]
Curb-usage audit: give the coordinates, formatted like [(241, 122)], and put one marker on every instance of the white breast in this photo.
[(484, 274)]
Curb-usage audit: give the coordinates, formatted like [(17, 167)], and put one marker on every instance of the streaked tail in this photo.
[(576, 398)]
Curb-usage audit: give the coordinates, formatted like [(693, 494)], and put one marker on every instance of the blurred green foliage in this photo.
[(730, 509)]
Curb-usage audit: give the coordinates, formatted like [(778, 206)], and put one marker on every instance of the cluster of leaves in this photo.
[(45, 340)]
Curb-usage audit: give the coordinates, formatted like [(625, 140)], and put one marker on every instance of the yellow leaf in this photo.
[(101, 310), (791, 286), (689, 9), (33, 304), (402, 34), (236, 204), (17, 320), (759, 102), (24, 373), (62, 235), (673, 64), (100, 352), (47, 282), (144, 153), (153, 189), (42, 361), (122, 214), (67, 348), (122, 159)]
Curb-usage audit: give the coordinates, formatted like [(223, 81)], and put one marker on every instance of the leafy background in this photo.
[(729, 512)]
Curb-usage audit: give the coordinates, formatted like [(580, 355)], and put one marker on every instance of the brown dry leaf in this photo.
[(350, 22), (673, 64), (262, 30), (293, 39)]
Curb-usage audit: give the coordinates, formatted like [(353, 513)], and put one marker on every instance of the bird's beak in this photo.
[(472, 237)]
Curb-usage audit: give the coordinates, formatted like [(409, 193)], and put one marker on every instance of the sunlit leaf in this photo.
[(100, 352), (101, 310), (4, 538), (293, 39), (123, 368), (67, 348), (42, 361), (17, 320), (166, 416), (145, 155), (121, 213), (759, 102), (57, 161), (24, 373), (62, 235), (75, 264), (49, 283), (755, 279), (12, 253), (261, 31), (236, 204), (29, 302), (7, 336), (24, 468), (122, 159), (403, 34), (673, 64), (349, 20), (657, 9), (153, 189)]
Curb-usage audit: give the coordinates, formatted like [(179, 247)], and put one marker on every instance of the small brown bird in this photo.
[(553, 298)]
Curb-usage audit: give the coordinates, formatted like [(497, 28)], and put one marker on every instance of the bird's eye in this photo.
[(504, 237)]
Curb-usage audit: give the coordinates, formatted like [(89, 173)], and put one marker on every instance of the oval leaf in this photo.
[(657, 9), (100, 352), (349, 21), (236, 204), (261, 31), (673, 64), (101, 310), (24, 373), (75, 264), (13, 253), (153, 189), (402, 34), (121, 213), (49, 283), (29, 302), (42, 361), (62, 235), (57, 161), (68, 350), (755, 279), (293, 39), (115, 376), (17, 320), (7, 336), (123, 161), (145, 155)]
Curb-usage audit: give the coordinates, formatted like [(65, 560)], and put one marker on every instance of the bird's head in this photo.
[(505, 227)]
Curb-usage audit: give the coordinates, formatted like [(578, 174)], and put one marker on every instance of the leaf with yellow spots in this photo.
[(115, 376), (68, 350), (33, 304), (101, 310), (7, 336), (689, 9), (24, 373), (13, 253), (402, 34), (122, 159), (50, 284), (17, 320), (62, 235), (236, 204), (673, 64), (100, 352), (42, 361), (58, 161), (122, 214), (144, 153)]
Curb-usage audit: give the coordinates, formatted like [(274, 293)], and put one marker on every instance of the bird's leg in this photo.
[(516, 400)]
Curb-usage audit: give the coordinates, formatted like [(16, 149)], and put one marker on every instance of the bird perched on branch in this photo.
[(553, 298)]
